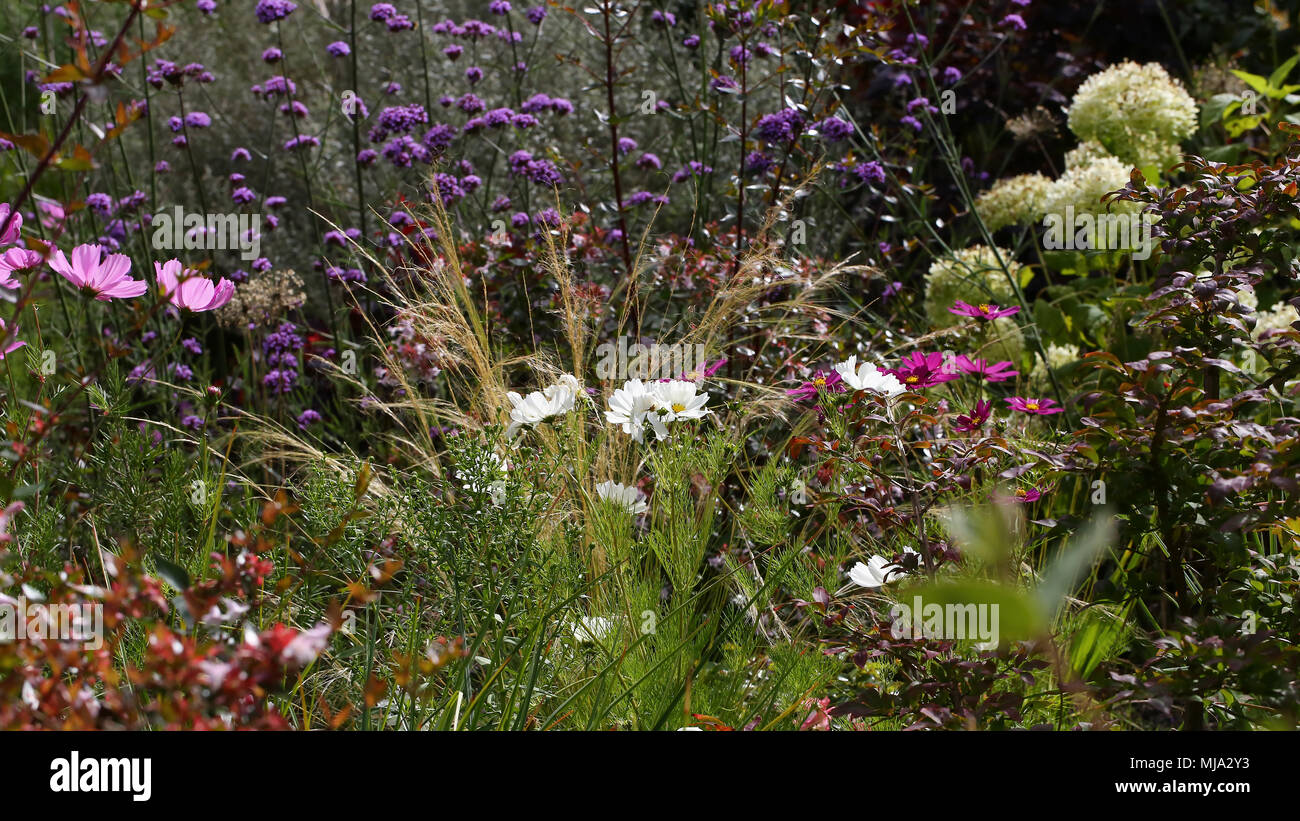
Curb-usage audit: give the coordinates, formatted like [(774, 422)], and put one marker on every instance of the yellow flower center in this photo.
[(912, 379), (1031, 406), (986, 308), (678, 407), (820, 381), (1021, 492)]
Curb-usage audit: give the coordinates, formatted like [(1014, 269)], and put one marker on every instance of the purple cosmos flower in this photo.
[(1041, 407), (973, 421), (920, 370), (985, 370), (1025, 495), (821, 381), (985, 310)]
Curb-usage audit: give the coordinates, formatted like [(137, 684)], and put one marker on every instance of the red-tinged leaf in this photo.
[(35, 144), (80, 160), (67, 73)]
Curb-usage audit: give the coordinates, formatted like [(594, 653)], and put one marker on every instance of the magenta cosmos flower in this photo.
[(923, 370), (985, 310), (986, 370), (7, 347), (107, 279), (973, 421), (186, 288), (829, 382), (1042, 407), (1026, 495), (13, 229)]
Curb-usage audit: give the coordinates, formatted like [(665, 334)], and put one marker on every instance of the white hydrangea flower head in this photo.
[(1013, 201), (1058, 356), (972, 275), (1083, 186), (1138, 112), (1085, 153), (1278, 318)]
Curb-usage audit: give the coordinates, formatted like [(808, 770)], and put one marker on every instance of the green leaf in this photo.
[(1018, 616), (1075, 561), (1277, 77), (1255, 81)]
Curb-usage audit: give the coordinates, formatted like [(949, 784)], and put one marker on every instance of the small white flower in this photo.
[(495, 467), (592, 629), (875, 573), (680, 399), (628, 497), (632, 406), (867, 377)]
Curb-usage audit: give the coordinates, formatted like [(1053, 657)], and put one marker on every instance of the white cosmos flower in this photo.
[(592, 629), (632, 406), (680, 399), (539, 405), (875, 573), (867, 377), (628, 497)]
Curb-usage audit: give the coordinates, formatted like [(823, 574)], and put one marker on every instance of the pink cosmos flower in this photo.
[(188, 289), (700, 374), (1042, 407), (985, 310), (920, 370), (15, 228), (7, 347), (985, 370), (973, 421), (830, 382), (16, 259), (107, 279)]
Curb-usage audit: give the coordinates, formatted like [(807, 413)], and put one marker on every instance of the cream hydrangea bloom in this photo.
[(1085, 154), (1058, 356), (1138, 112), (1013, 201), (1278, 318), (1083, 186)]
